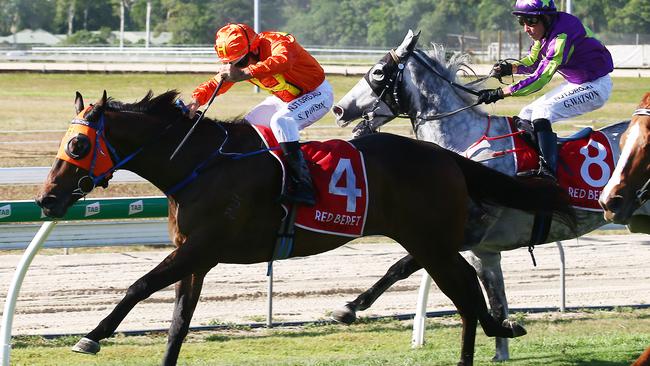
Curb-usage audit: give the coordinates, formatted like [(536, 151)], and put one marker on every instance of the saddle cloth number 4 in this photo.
[(349, 189)]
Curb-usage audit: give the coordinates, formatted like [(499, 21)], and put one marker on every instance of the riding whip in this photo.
[(214, 94)]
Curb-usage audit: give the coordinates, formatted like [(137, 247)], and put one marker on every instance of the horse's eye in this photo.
[(377, 72), (78, 147)]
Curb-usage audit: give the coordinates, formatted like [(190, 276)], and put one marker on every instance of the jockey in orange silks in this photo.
[(275, 62)]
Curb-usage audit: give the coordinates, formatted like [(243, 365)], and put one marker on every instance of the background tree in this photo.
[(195, 21), (330, 23), (448, 17), (8, 16), (634, 17), (390, 21), (74, 15)]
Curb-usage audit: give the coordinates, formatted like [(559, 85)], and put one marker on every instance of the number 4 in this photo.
[(349, 190)]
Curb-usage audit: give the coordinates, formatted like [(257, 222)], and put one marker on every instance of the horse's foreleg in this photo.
[(488, 268), (179, 264), (490, 325), (457, 279), (398, 271), (188, 291)]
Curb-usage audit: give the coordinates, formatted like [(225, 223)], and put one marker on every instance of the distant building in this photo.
[(28, 37), (157, 39)]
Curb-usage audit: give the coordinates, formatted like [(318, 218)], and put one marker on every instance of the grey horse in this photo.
[(422, 86)]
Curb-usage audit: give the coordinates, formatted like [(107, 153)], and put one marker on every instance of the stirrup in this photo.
[(541, 172)]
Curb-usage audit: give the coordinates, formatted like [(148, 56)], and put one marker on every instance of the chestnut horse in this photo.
[(644, 359), (226, 209), (627, 189)]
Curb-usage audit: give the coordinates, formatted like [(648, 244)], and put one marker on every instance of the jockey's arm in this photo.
[(203, 92), (545, 70)]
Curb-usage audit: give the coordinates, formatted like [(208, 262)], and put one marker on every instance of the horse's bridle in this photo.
[(393, 83), (117, 162)]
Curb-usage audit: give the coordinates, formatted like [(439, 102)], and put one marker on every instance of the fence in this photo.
[(23, 211)]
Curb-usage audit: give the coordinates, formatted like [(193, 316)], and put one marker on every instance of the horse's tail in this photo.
[(532, 195)]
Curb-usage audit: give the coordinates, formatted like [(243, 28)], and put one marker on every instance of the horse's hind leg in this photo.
[(400, 270), (188, 291), (488, 268), (179, 264)]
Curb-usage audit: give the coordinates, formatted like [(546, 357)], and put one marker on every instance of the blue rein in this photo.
[(219, 151), (96, 179), (113, 154)]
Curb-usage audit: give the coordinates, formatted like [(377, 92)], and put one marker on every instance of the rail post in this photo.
[(417, 339), (562, 277), (14, 287)]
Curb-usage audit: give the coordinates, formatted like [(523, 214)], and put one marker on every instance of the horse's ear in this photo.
[(78, 103), (408, 44), (101, 102), (414, 42)]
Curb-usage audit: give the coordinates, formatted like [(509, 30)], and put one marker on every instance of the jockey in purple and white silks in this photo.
[(561, 43)]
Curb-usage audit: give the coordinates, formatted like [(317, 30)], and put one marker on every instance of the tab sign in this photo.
[(136, 207), (5, 211), (92, 209)]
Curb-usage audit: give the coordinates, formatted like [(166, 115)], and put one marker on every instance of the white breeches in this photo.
[(286, 119), (569, 100)]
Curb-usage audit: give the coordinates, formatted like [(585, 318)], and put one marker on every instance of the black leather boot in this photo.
[(300, 189), (547, 141)]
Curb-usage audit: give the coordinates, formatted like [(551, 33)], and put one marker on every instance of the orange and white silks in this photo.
[(80, 126), (285, 69)]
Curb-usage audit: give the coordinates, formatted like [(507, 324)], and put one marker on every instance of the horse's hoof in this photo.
[(87, 346), (501, 352), (500, 358), (517, 330), (345, 315)]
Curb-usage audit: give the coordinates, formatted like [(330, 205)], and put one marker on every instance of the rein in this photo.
[(199, 168), (642, 112), (117, 163)]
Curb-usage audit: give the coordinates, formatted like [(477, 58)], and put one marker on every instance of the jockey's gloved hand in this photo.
[(501, 69), (488, 96), (179, 103)]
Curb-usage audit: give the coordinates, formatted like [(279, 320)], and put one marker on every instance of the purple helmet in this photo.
[(534, 7)]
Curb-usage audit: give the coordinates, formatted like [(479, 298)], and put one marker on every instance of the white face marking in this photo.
[(626, 153)]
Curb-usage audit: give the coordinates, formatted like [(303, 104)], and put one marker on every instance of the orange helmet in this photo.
[(233, 41)]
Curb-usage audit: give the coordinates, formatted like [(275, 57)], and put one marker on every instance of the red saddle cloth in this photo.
[(339, 175), (584, 166)]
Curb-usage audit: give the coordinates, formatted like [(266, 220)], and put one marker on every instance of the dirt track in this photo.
[(72, 293)]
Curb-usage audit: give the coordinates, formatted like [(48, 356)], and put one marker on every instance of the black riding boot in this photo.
[(300, 189), (547, 141)]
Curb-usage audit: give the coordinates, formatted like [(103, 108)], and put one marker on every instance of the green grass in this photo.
[(31, 101), (589, 338)]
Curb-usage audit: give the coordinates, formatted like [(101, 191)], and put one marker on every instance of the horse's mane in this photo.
[(645, 102), (162, 106), (458, 62)]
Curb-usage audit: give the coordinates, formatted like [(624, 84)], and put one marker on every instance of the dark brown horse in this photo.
[(627, 189), (229, 211)]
